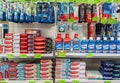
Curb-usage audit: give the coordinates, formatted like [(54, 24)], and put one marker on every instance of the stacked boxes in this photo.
[(30, 43), (16, 43), (39, 45), (21, 71), (12, 71), (37, 72), (23, 43), (46, 69), (116, 70), (8, 43), (30, 71), (107, 69), (62, 69), (77, 69)]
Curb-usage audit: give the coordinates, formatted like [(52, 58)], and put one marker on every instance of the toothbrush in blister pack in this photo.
[(3, 11), (16, 13)]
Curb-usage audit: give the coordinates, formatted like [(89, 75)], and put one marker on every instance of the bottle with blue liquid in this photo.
[(91, 45), (76, 43), (98, 45), (67, 43), (105, 45), (84, 44), (59, 42), (113, 47), (118, 45)]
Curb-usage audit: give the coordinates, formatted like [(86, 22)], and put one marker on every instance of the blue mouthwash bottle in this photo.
[(113, 47), (59, 42), (118, 45), (67, 43), (98, 45), (91, 45), (16, 14), (105, 45), (84, 43), (76, 43)]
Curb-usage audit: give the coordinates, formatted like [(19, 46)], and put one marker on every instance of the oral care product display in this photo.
[(60, 41)]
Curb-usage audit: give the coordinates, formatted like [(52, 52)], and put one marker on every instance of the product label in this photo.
[(112, 48), (98, 46), (15, 15), (118, 48), (21, 17), (105, 47), (91, 46), (59, 46), (76, 45), (67, 46), (84, 46), (9, 15)]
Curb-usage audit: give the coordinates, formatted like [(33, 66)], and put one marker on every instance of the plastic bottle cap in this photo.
[(58, 35), (91, 38), (105, 38), (98, 38), (84, 38), (118, 38), (67, 36), (112, 38), (76, 36)]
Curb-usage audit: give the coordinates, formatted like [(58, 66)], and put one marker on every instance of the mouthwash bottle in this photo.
[(59, 42), (91, 45), (105, 45), (16, 14), (113, 47), (84, 44), (67, 43), (76, 43), (118, 45), (98, 45)]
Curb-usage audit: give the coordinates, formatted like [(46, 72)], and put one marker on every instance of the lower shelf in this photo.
[(26, 81), (88, 81)]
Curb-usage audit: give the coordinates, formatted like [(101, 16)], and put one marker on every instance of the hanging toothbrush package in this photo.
[(45, 12)]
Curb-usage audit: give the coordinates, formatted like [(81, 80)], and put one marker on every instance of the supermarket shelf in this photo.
[(94, 55), (88, 81), (17, 55), (25, 81)]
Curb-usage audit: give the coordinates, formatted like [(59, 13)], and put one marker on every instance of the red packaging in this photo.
[(39, 43), (23, 39), (38, 39), (88, 13), (23, 35), (29, 65), (91, 30), (23, 47), (39, 47), (9, 34), (39, 51), (23, 43)]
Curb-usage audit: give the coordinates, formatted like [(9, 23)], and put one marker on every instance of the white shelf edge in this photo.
[(95, 55), (17, 55), (25, 81), (87, 81)]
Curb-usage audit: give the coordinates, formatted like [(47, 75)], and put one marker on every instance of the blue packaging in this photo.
[(91, 45), (10, 14), (62, 27), (113, 45), (84, 44), (98, 45), (58, 11), (118, 45), (2, 12), (22, 15), (107, 64), (76, 43), (16, 14), (105, 45)]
